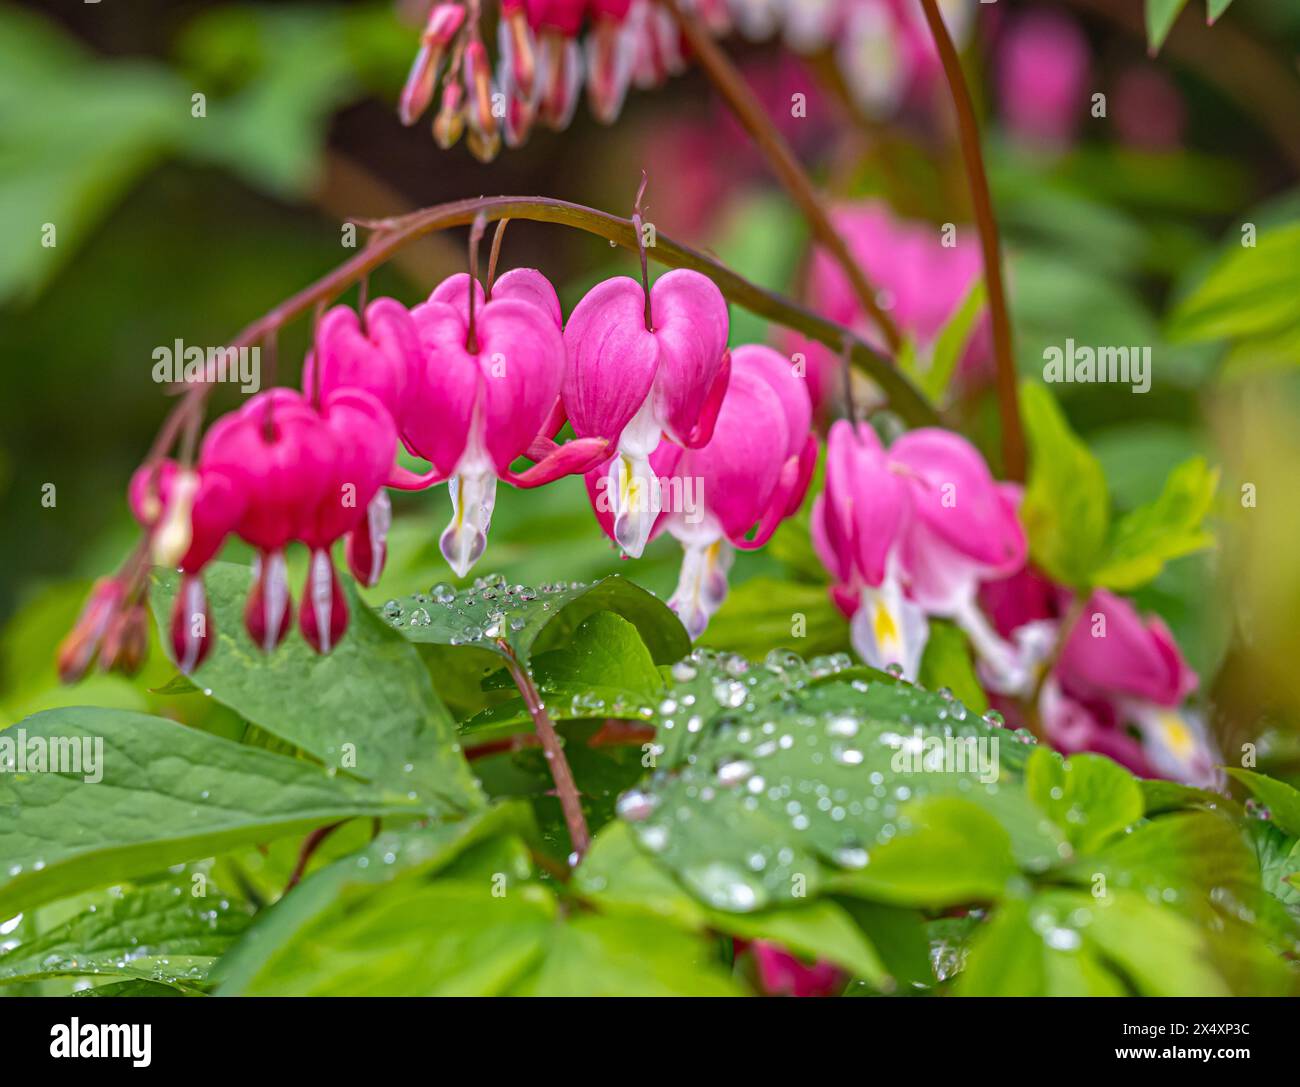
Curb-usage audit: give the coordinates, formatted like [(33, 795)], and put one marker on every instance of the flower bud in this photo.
[(450, 122), (78, 649), (126, 641)]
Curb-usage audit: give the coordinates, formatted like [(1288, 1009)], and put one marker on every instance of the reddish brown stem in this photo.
[(566, 788), (638, 226), (731, 85), (309, 846), (1013, 438)]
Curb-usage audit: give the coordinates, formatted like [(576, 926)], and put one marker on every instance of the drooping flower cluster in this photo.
[(277, 471), (921, 530), (909, 532), (547, 50), (1117, 685), (672, 432)]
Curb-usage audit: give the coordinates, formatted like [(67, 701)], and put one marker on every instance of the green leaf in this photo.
[(1281, 800), (947, 663), (1065, 943), (1006, 956), (769, 611), (408, 854), (1168, 528), (1252, 292), (949, 851), (367, 707), (1066, 509), (1161, 16), (1215, 8), (1090, 797), (591, 955), (951, 344), (769, 781), (1160, 796), (605, 671), (1278, 854), (167, 794), (134, 989), (518, 619), (478, 925), (1159, 951), (617, 877), (1185, 859), (156, 932), (412, 937)]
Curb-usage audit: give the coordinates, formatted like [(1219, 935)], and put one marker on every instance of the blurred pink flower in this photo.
[(1043, 69), (1117, 686), (912, 531), (921, 283), (783, 974), (547, 50)]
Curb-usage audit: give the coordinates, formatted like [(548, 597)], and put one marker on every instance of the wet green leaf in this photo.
[(1091, 798), (167, 793), (155, 933), (367, 707), (529, 620)]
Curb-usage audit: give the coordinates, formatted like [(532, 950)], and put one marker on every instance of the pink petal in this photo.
[(612, 359), (529, 285), (443, 397), (737, 469), (702, 432), (454, 291), (571, 458), (778, 372), (1111, 651), (956, 496), (522, 359), (691, 323)]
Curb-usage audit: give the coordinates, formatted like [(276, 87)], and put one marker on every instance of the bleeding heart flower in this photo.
[(640, 370), (912, 531), (732, 492), (1117, 685), (378, 356), (304, 475), (491, 376)]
